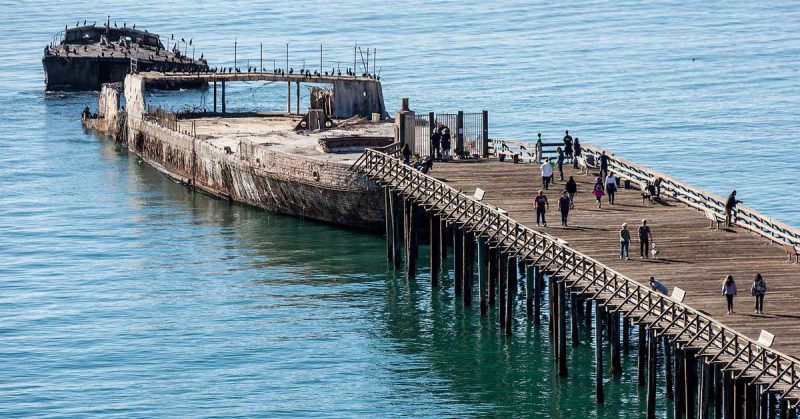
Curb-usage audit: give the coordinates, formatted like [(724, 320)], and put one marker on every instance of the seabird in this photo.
[(291, 70)]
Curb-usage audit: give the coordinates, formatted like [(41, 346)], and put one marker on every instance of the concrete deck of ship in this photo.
[(691, 257)]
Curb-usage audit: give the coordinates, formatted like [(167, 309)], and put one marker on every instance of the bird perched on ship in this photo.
[(84, 23), (134, 26), (316, 73), (291, 70), (65, 27), (78, 23), (183, 40), (339, 73), (333, 70), (248, 69), (115, 24), (326, 73), (190, 41), (124, 24), (85, 48), (363, 74)]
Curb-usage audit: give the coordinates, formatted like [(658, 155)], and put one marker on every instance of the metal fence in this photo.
[(472, 127)]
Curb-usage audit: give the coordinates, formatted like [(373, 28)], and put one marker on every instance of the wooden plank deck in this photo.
[(691, 257)]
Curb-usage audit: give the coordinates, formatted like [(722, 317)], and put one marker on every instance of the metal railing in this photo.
[(700, 199), (685, 325)]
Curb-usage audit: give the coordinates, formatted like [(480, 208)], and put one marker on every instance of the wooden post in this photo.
[(651, 375), (626, 334), (668, 368), (501, 290), (431, 127), (494, 271), (705, 390), (587, 315), (719, 390), (483, 274), (469, 267), (727, 395), (458, 259), (537, 296), (511, 287), (573, 323), (562, 329), (444, 238), (641, 356), (598, 353), (679, 404), (397, 229), (297, 99), (223, 96), (690, 382), (616, 363), (529, 291), (289, 97), (215, 96), (435, 258), (412, 240), (763, 405), (460, 132), (551, 302), (387, 201)]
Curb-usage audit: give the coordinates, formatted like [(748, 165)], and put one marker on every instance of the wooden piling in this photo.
[(397, 229), (458, 259), (562, 329), (411, 240), (494, 271), (288, 97), (668, 366), (679, 406), (553, 308), (387, 201), (573, 323), (297, 99), (719, 390), (704, 400), (468, 269), (537, 296), (483, 274), (511, 287), (626, 334), (215, 96), (727, 394), (641, 356), (690, 382), (651, 374), (444, 239), (223, 96), (616, 362), (598, 353), (587, 315), (529, 291), (501, 290), (435, 257)]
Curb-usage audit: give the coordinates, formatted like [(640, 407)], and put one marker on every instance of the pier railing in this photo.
[(584, 275), (699, 199)]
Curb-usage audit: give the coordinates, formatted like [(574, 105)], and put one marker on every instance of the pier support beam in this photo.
[(668, 366), (297, 99), (537, 295), (641, 356), (483, 274), (573, 323), (616, 362), (706, 380), (289, 97), (435, 257), (494, 272), (626, 334), (652, 371), (529, 292), (458, 259), (511, 287), (412, 240), (387, 205), (679, 405), (223, 96), (501, 289), (598, 353), (444, 238), (690, 381), (562, 328), (397, 229), (215, 96), (469, 267)]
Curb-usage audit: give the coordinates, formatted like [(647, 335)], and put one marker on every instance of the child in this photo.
[(599, 193)]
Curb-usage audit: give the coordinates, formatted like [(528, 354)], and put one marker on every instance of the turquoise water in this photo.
[(123, 294)]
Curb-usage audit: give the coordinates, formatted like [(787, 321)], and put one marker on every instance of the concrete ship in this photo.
[(288, 163), (86, 56)]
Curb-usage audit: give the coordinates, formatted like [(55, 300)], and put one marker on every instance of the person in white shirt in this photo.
[(547, 173), (611, 187)]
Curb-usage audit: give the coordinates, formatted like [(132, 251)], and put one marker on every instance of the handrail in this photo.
[(680, 321), (699, 199)]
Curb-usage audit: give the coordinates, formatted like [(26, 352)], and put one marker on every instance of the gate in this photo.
[(472, 127)]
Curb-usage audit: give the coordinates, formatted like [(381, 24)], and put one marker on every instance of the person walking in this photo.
[(604, 159), (567, 145), (624, 242), (541, 204), (445, 143), (598, 192), (563, 206), (758, 289), (547, 172), (560, 163), (539, 150), (730, 204), (611, 187), (572, 188), (729, 291), (645, 237), (436, 138), (576, 150)]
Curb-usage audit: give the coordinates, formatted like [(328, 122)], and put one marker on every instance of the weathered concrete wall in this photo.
[(357, 97), (278, 182)]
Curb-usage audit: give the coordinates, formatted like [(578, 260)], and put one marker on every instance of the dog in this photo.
[(653, 251)]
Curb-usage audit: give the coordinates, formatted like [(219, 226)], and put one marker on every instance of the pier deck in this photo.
[(691, 256)]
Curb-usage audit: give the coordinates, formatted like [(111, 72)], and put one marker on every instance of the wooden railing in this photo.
[(685, 325), (700, 199)]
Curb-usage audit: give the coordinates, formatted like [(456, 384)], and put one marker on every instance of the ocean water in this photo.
[(124, 294)]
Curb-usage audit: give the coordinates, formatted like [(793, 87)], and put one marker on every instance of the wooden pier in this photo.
[(716, 363)]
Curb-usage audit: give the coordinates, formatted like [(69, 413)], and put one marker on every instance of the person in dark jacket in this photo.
[(604, 159), (571, 188), (445, 143), (758, 289), (560, 163), (730, 204), (567, 145), (577, 150), (406, 153), (436, 138), (564, 204)]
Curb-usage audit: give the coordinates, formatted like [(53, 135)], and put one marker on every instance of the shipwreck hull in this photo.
[(274, 181), (90, 73)]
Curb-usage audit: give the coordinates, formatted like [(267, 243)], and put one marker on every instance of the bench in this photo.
[(791, 250), (678, 295), (478, 195), (712, 217), (765, 339)]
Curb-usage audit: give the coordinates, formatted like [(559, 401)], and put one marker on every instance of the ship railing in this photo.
[(667, 316)]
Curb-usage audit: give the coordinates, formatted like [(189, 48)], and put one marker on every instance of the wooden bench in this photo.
[(712, 217), (791, 250), (765, 339)]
